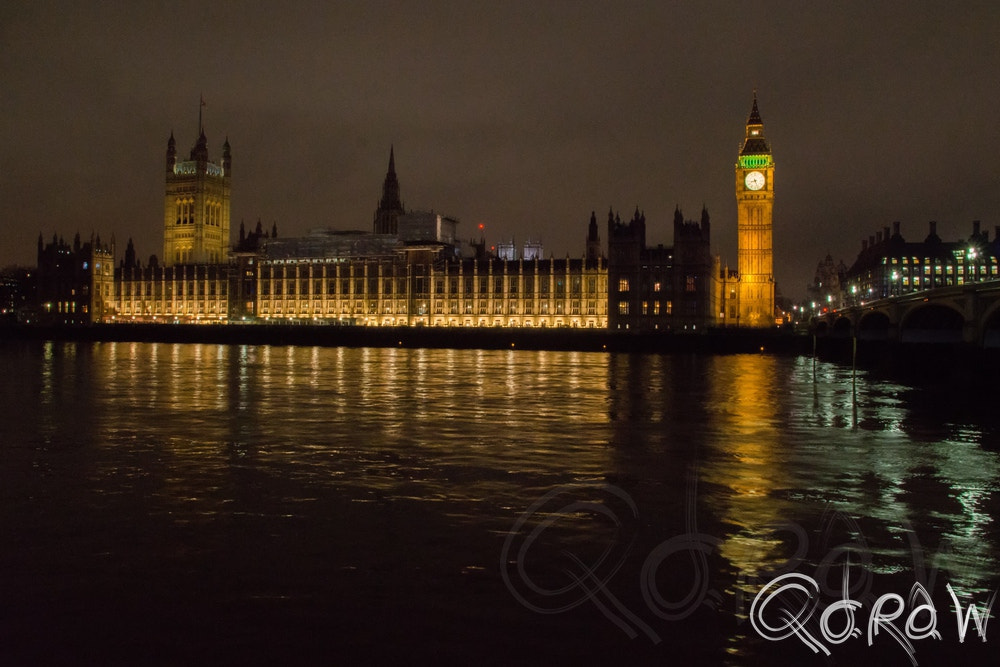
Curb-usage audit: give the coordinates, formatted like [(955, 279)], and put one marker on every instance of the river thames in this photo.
[(181, 504)]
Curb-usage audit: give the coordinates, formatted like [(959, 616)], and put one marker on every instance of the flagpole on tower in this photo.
[(201, 128)]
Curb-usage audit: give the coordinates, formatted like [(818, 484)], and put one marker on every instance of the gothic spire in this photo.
[(171, 152), (390, 206), (201, 107), (390, 188), (755, 143), (754, 112), (227, 158)]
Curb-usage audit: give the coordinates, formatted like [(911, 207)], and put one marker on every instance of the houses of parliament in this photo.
[(413, 269)]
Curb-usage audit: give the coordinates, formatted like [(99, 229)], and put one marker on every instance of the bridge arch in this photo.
[(874, 325), (842, 327), (991, 327), (932, 323)]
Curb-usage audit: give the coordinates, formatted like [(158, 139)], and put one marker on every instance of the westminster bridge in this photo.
[(966, 314)]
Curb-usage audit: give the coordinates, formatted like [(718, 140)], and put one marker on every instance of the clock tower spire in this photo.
[(754, 204)]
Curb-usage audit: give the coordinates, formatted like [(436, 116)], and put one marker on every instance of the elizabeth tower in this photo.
[(754, 203)]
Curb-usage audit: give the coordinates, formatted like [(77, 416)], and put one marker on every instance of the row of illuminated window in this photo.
[(209, 290), (469, 286), (291, 287), (168, 308), (624, 285), (959, 257), (61, 307), (439, 308), (186, 215), (188, 288), (647, 308), (932, 282), (391, 319), (949, 269), (185, 256)]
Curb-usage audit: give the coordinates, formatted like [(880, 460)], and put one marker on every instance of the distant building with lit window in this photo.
[(888, 265), (75, 282), (17, 292), (827, 288), (661, 288)]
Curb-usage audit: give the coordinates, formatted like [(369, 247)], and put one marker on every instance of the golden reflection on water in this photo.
[(746, 458), (374, 422)]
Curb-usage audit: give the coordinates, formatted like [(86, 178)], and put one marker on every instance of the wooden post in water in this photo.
[(814, 358), (854, 380)]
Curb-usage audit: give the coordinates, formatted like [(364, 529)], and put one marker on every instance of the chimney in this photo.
[(871, 240), (933, 226), (864, 242), (885, 233), (878, 237), (975, 228), (895, 228)]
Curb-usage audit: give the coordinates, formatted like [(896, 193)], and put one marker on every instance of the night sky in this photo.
[(522, 116)]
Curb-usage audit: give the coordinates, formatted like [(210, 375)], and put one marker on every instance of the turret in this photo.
[(171, 153), (129, 260), (639, 224), (200, 151), (593, 239), (227, 159)]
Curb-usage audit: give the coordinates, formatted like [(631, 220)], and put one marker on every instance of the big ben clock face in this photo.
[(754, 180)]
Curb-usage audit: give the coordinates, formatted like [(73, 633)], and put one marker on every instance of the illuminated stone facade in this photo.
[(183, 293), (417, 287), (755, 204), (196, 206), (421, 287)]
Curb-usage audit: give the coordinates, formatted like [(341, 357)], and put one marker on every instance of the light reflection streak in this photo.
[(746, 456)]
